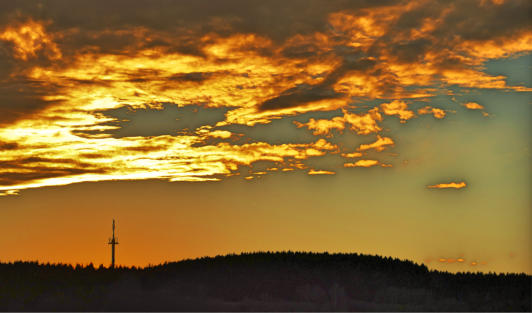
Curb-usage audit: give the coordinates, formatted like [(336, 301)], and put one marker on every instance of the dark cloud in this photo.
[(277, 19), (471, 21), (195, 77), (304, 94), (8, 145), (455, 21), (304, 50), (13, 178), (127, 26), (411, 51), (33, 168), (299, 96), (20, 99)]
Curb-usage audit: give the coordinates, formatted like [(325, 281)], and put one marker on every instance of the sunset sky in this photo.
[(398, 128)]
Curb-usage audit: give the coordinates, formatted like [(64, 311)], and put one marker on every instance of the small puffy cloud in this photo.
[(451, 260), (352, 155), (438, 113), (456, 261), (476, 106), (362, 124), (224, 134), (451, 185), (322, 126), (379, 145), (366, 123), (320, 172), (399, 108), (475, 263), (473, 106), (362, 163)]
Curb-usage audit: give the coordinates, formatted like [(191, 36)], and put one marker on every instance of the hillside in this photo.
[(282, 281)]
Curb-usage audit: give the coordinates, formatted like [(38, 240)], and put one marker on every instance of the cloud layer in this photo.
[(65, 66)]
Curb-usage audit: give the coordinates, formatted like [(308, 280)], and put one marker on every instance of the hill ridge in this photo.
[(261, 281)]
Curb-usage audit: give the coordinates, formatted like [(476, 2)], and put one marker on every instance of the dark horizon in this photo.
[(262, 282), (108, 266)]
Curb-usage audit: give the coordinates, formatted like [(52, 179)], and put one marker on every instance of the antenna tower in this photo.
[(113, 242)]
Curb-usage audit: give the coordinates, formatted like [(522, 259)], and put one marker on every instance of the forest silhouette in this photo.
[(262, 281)]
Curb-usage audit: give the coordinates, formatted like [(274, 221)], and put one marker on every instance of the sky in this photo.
[(397, 128)]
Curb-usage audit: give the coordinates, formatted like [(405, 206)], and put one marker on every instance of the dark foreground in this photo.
[(261, 282)]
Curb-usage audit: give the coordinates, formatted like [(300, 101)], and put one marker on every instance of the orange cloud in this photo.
[(399, 108), (224, 134), (458, 261), (475, 79), (363, 28), (451, 260), (360, 55), (101, 158), (379, 145), (438, 113), (352, 155), (362, 163), (452, 185), (323, 127), (29, 38), (320, 172), (500, 47), (364, 124), (473, 106)]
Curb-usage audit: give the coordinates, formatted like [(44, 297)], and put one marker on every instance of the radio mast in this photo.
[(113, 241)]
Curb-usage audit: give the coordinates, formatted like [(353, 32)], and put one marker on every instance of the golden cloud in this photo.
[(323, 127), (459, 260), (364, 124), (380, 144), (28, 38), (320, 172), (473, 106), (399, 108), (500, 47), (363, 54), (438, 113), (452, 185), (362, 163), (224, 134), (352, 155), (65, 158)]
